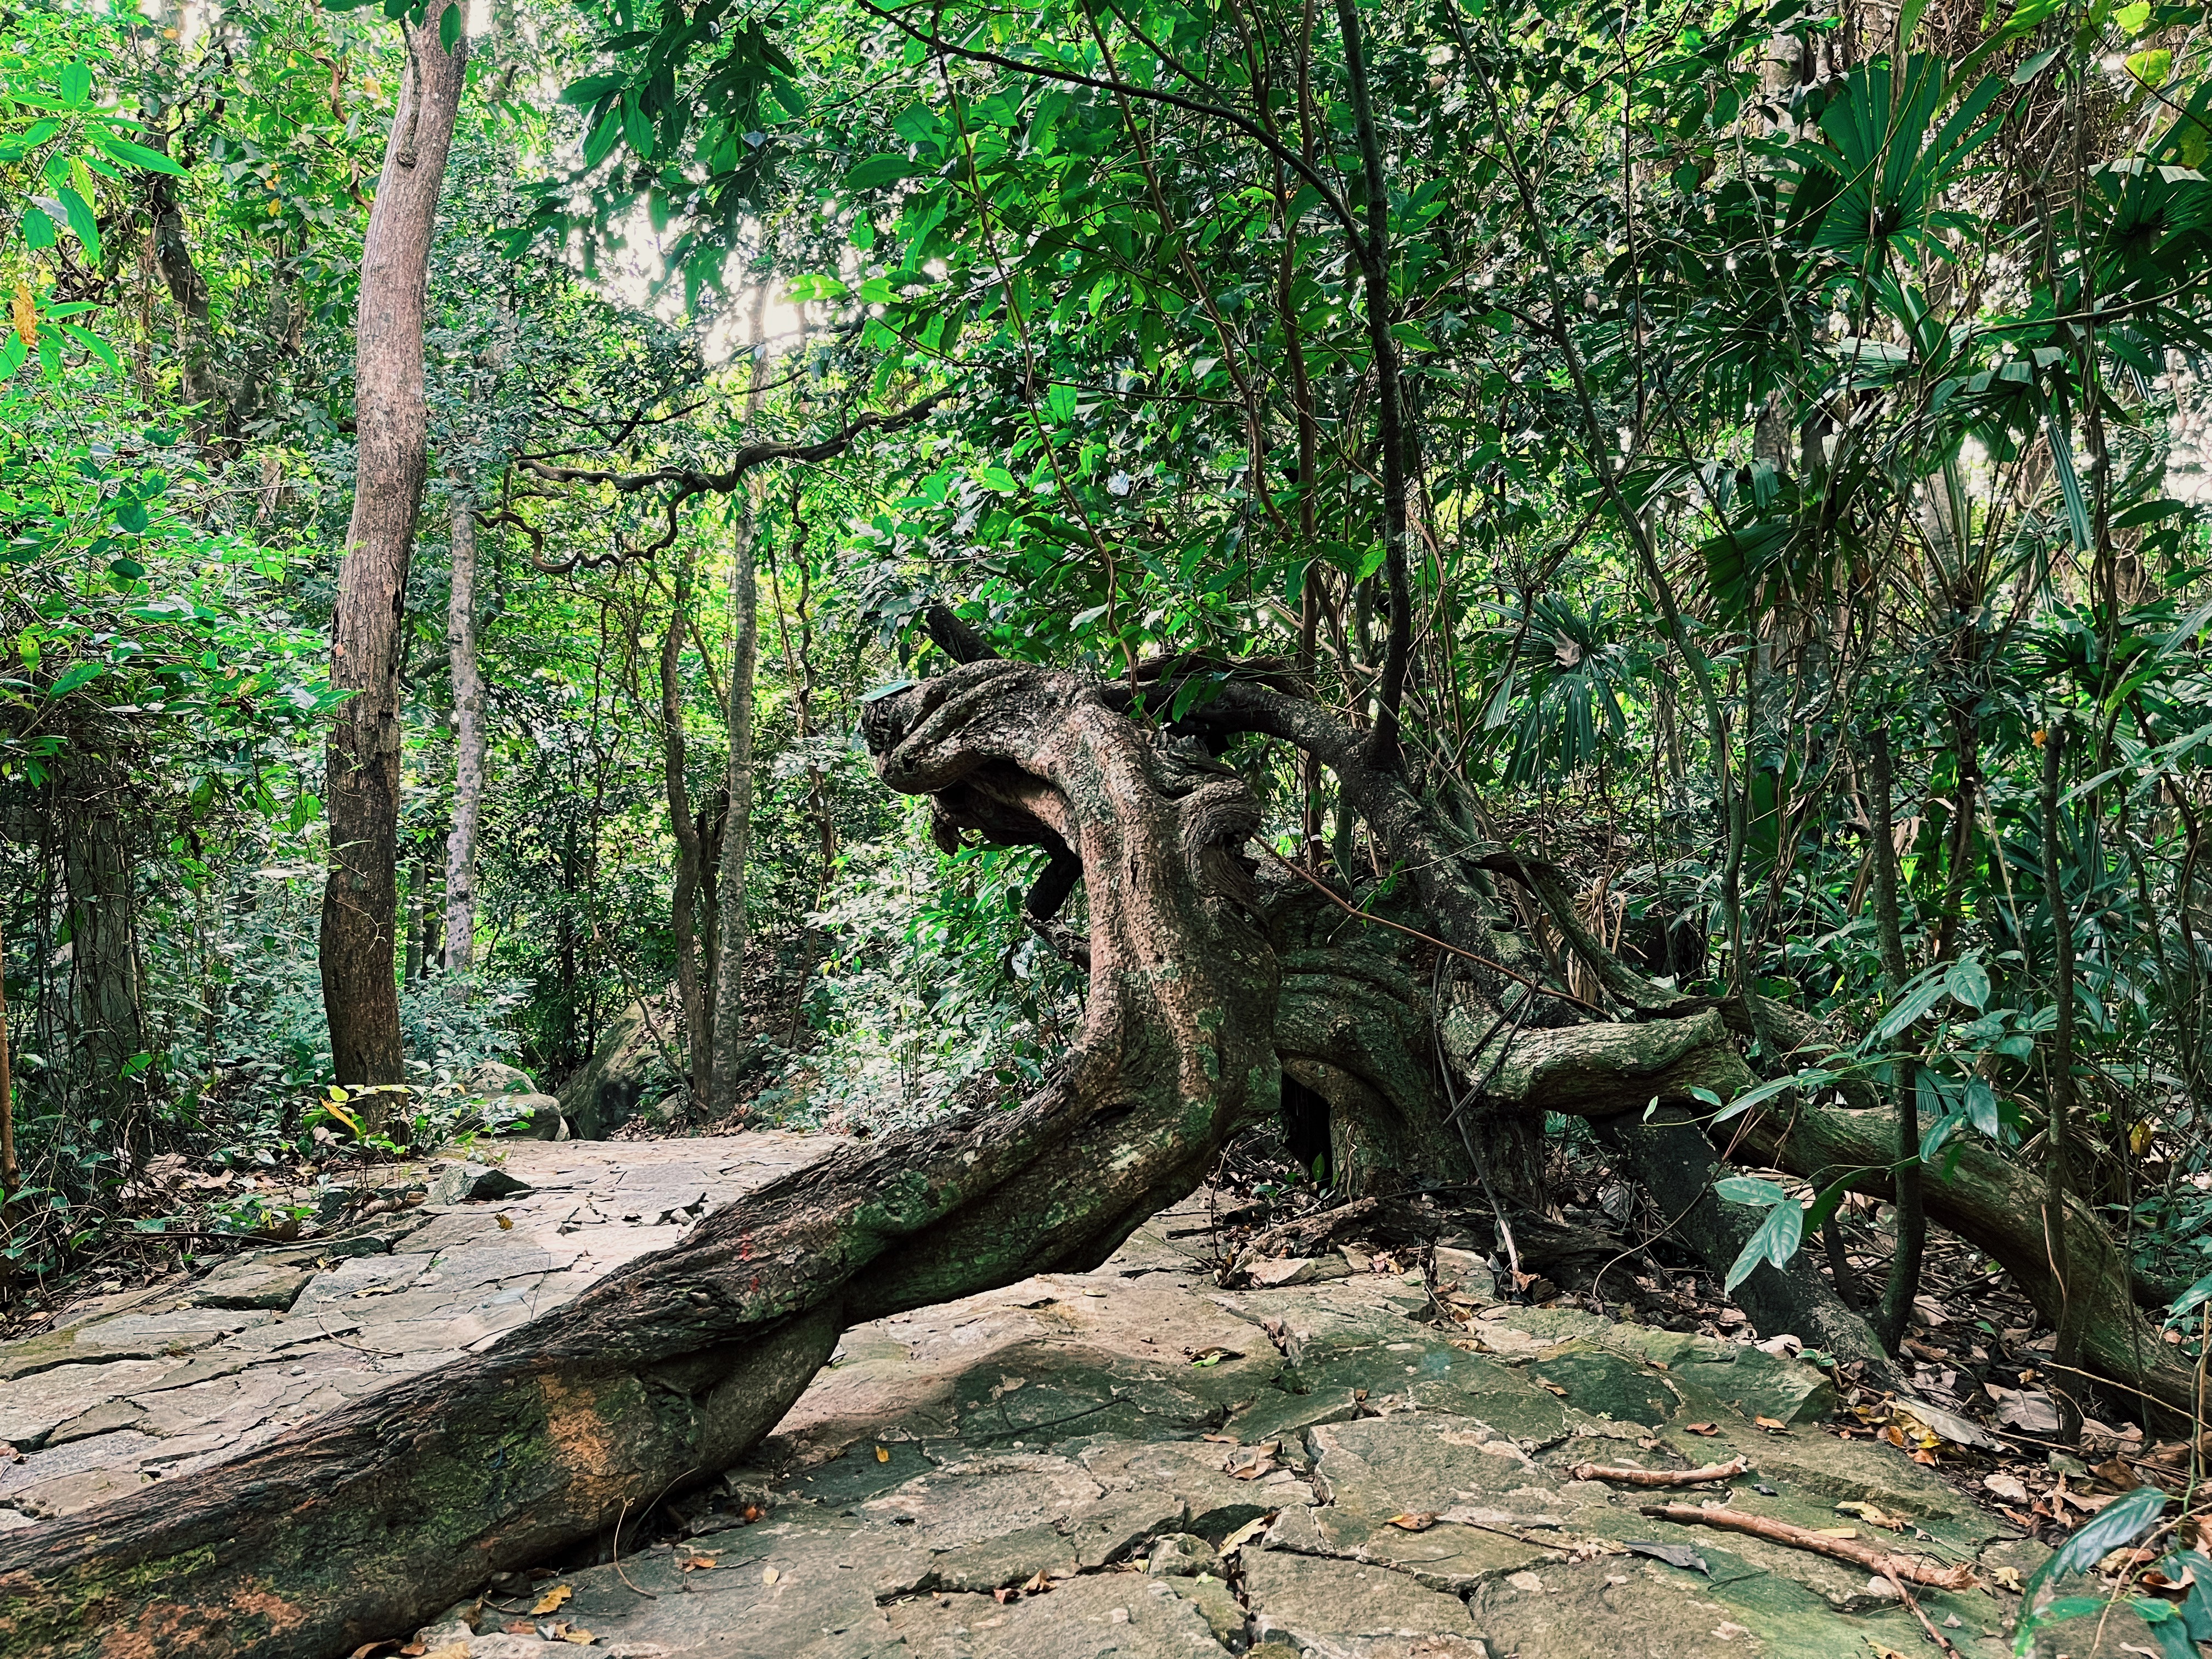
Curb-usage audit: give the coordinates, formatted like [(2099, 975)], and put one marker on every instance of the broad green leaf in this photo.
[(1776, 1242), (1969, 982), (878, 170), (1917, 1002), (77, 84), (92, 342), (449, 28), (81, 220), (137, 155), (2116, 1525), (77, 674), (2191, 1299), (38, 229), (1750, 1190)]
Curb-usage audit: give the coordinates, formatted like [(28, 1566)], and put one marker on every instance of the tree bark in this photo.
[(1999, 1208), (729, 1015), (1904, 1281), (380, 1514), (469, 740), (690, 843), (9, 1179), (105, 995), (2058, 1184), (360, 899)]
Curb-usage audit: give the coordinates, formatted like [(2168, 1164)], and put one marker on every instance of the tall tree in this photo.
[(360, 899), (468, 738)]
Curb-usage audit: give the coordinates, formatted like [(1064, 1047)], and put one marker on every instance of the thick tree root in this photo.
[(1998, 1207), (381, 1514)]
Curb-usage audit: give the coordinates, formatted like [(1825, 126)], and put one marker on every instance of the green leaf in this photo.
[(592, 88), (77, 84), (2116, 1525), (2166, 1623), (1969, 982), (1750, 1190), (75, 675), (1916, 1002), (603, 137), (137, 155), (1776, 1241), (38, 229), (449, 28), (92, 342), (1982, 1108), (2191, 1299), (878, 170), (81, 220)]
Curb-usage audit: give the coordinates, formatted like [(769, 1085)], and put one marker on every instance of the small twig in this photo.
[(1628, 1477), (650, 1595), (1804, 1538), (1926, 1624)]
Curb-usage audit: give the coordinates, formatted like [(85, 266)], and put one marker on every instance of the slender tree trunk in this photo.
[(103, 962), (2058, 1132), (684, 900), (1904, 1283), (410, 966), (10, 1181), (360, 899), (469, 742), (737, 827)]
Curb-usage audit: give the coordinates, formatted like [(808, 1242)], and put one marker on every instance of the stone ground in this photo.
[(1132, 1462)]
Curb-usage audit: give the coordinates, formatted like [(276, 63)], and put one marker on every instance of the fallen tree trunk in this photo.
[(1609, 1074), (1998, 1207), (381, 1514)]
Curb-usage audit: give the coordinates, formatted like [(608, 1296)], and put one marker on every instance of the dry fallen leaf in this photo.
[(696, 1560), (2114, 1473), (1838, 1532), (507, 1224), (1872, 1515), (2009, 1487), (1221, 1439), (1553, 1387), (1413, 1522), (2007, 1576), (551, 1600), (1245, 1534), (1772, 1425), (883, 1453), (519, 1627), (576, 1633), (769, 1575), (1708, 1429)]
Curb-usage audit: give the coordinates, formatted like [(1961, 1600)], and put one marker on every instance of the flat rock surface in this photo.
[(127, 1389), (1130, 1462)]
